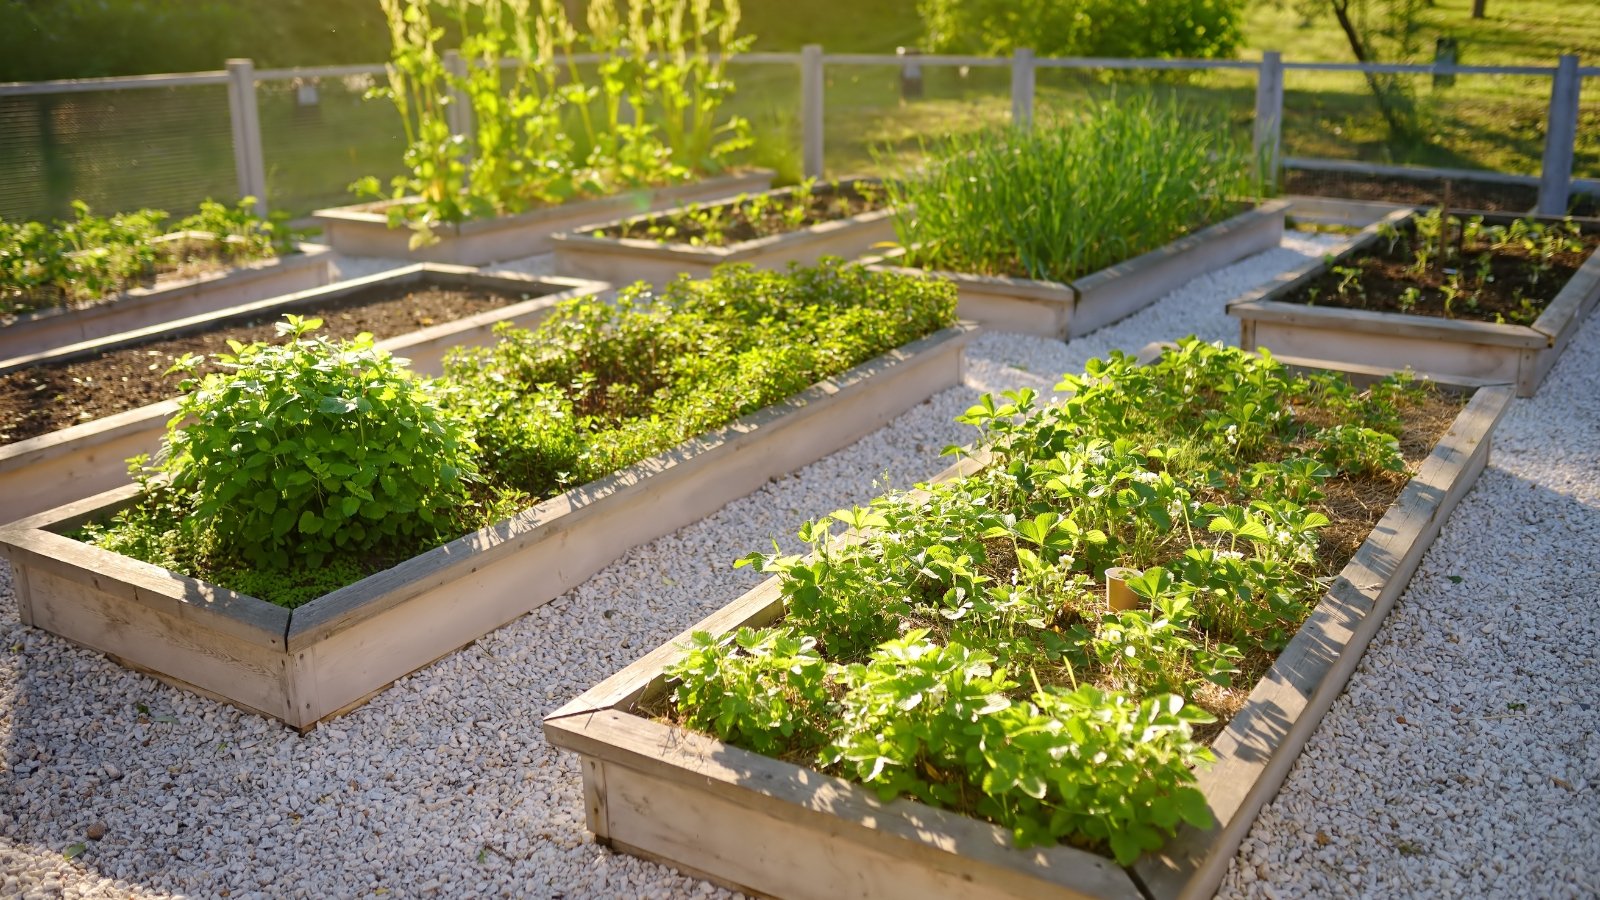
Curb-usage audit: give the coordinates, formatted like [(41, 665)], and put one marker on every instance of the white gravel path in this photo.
[(443, 784)]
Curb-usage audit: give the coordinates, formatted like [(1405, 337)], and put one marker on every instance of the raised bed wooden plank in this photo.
[(1442, 348), (1336, 211), (45, 471), (363, 229), (585, 254), (700, 774), (343, 647), (1067, 310), (169, 300)]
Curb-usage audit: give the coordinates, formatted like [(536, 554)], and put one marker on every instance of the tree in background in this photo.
[(1190, 29), (1379, 31), (44, 39)]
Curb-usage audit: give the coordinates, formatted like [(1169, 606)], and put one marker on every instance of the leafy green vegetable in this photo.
[(957, 648)]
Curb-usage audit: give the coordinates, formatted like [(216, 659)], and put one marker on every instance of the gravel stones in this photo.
[(443, 785)]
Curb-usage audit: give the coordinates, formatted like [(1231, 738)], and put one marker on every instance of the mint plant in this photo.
[(310, 464)]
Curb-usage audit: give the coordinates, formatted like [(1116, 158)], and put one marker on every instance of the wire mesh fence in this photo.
[(318, 135), (172, 146), (163, 148)]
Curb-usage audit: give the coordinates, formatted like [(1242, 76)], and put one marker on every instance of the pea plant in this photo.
[(545, 129), (957, 647), (90, 258)]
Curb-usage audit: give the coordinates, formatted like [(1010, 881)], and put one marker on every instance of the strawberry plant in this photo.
[(958, 649)]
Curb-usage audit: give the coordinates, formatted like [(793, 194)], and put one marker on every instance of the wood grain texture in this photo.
[(792, 832), (1461, 348), (360, 638), (1119, 291), (1066, 310), (1256, 751), (338, 650)]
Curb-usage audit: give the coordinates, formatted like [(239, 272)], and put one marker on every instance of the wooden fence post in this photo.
[(1022, 88), (246, 117), (811, 120), (1268, 137), (1560, 134)]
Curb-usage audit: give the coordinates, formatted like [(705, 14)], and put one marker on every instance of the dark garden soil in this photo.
[(42, 399), (718, 225), (1419, 191), (1517, 289)]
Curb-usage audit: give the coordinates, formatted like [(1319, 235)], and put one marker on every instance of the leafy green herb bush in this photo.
[(1070, 197), (958, 650), (90, 257), (311, 464), (304, 451), (545, 130)]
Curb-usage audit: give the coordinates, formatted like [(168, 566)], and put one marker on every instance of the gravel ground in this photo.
[(443, 784)]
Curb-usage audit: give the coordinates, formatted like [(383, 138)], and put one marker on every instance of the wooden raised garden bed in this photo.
[(329, 655), (599, 252), (1461, 349), (165, 301), (363, 229), (773, 828), (1066, 310), (48, 470)]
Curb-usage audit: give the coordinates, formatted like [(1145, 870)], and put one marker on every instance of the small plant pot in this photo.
[(1119, 596)]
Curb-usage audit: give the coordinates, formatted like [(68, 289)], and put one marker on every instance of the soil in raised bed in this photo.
[(1417, 191), (721, 224), (41, 399), (1515, 292)]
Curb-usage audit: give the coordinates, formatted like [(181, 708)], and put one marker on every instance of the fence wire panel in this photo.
[(318, 135), (117, 150), (1586, 159), (875, 119), (1229, 94), (767, 95), (1493, 122)]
